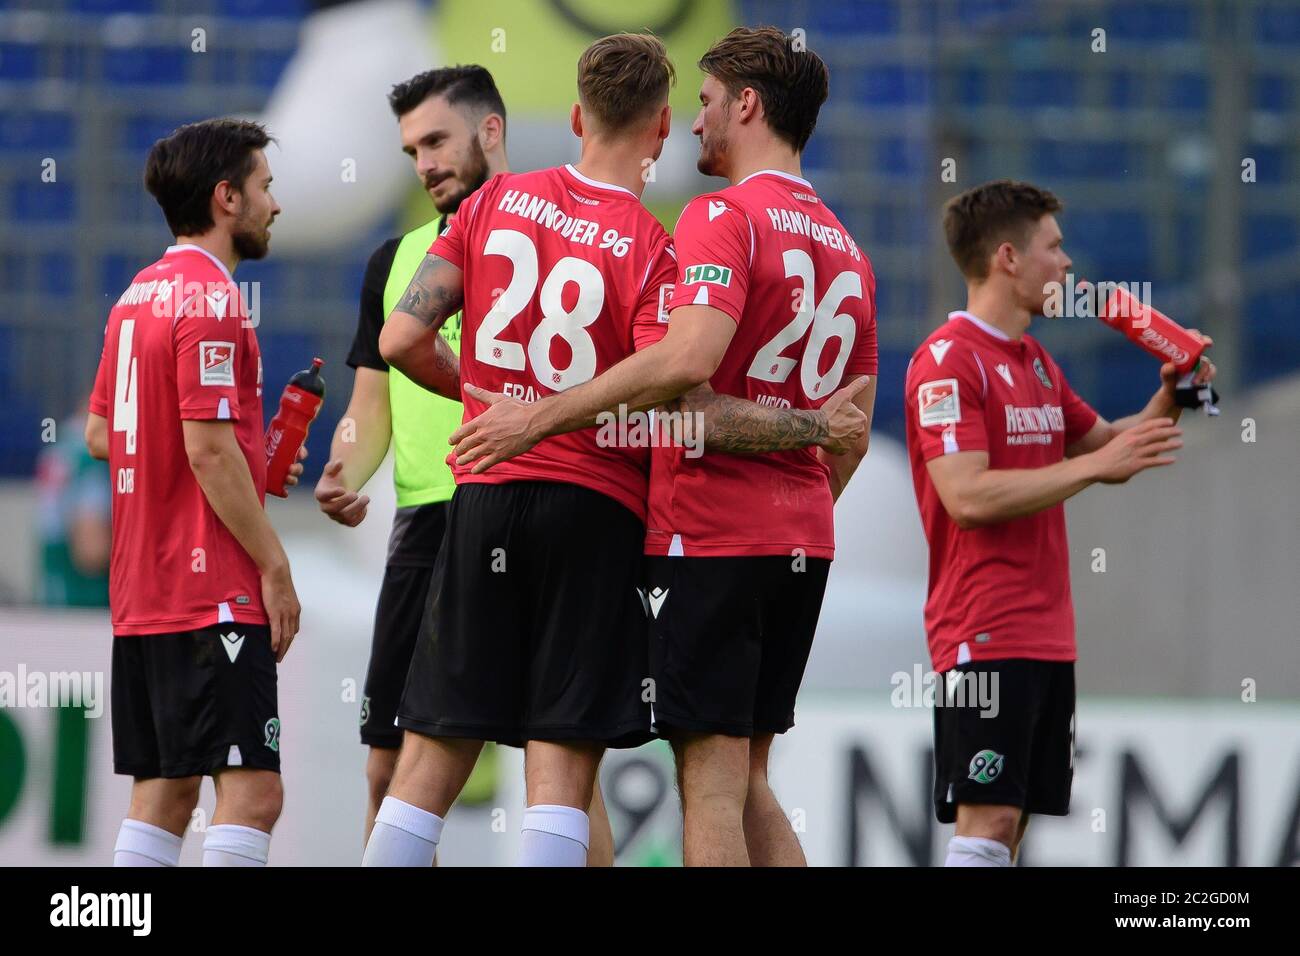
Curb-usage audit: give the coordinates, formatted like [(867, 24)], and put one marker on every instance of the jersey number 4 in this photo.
[(568, 324), (124, 391), (827, 323)]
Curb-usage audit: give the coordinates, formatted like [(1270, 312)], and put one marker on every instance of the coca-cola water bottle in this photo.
[(1152, 330), (1168, 341), (299, 405)]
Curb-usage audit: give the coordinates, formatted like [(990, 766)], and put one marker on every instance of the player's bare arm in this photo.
[(1161, 405), (975, 495), (410, 341), (686, 357), (739, 426), (359, 445), (222, 472), (97, 436)]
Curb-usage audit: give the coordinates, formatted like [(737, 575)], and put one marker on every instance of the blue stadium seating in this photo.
[(1273, 92), (879, 17), (891, 86), (113, 6), (1187, 91), (31, 200), (19, 61), (36, 131), (1151, 21), (157, 65), (1277, 23), (1053, 158), (262, 9), (1269, 234), (1273, 336), (57, 274), (1045, 87)]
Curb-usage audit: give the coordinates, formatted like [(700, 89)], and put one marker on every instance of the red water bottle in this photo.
[(299, 405), (1152, 330)]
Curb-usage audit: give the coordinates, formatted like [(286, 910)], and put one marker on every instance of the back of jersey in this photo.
[(769, 254), (177, 347), (564, 276)]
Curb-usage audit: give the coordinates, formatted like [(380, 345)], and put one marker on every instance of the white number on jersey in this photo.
[(827, 323), (124, 392), (569, 325)]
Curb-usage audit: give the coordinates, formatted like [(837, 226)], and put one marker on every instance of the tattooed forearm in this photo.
[(741, 427), (434, 293), (447, 365)]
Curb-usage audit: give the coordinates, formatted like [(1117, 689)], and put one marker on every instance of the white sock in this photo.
[(977, 851), (143, 844), (554, 836), (403, 835), (228, 844)]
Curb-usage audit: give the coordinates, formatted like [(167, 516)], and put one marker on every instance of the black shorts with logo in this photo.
[(534, 629), (413, 549), (1022, 755), (195, 702), (730, 639)]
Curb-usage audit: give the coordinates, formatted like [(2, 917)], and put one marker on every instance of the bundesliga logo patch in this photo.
[(708, 272), (665, 296), (940, 403), (217, 363)]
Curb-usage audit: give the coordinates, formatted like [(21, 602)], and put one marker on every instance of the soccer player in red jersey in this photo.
[(998, 440), (534, 632), (203, 605), (774, 303)]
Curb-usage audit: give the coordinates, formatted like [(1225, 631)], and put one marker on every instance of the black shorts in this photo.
[(412, 550), (194, 702), (730, 639), (534, 629), (1022, 755)]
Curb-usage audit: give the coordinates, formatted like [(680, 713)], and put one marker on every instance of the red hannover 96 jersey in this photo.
[(178, 346), (770, 254), (1003, 590), (564, 276)]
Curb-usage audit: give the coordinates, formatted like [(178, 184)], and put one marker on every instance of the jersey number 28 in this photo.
[(568, 324)]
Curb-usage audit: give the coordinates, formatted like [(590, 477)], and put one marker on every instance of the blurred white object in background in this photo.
[(337, 166)]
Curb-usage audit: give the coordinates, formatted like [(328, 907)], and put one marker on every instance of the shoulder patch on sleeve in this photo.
[(665, 296), (939, 402), (217, 363)]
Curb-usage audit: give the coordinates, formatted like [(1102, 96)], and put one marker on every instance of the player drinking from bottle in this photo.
[(998, 440)]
